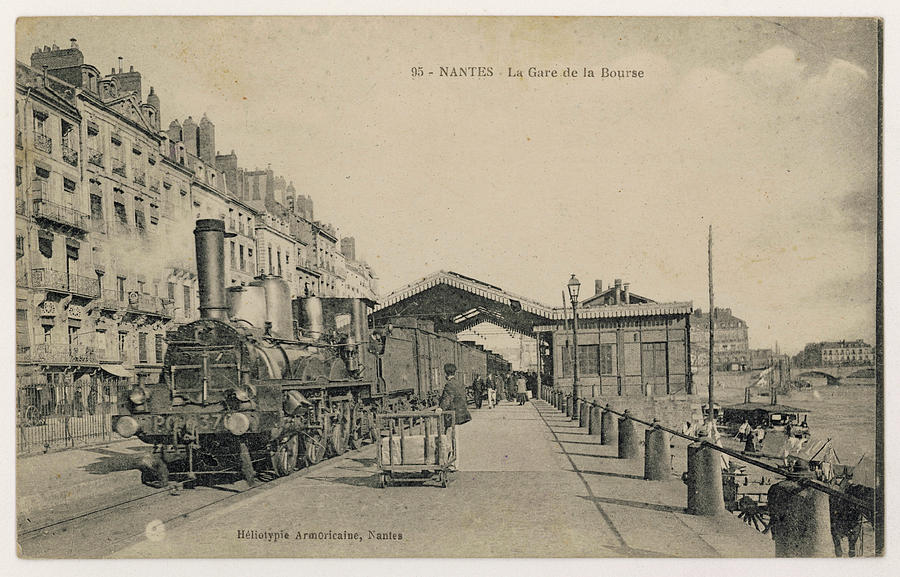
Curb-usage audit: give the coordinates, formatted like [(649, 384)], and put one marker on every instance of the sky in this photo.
[(764, 129)]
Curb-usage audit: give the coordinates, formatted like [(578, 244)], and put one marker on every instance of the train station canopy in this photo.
[(455, 302)]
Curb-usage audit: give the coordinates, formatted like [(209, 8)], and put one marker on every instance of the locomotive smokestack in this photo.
[(209, 238)]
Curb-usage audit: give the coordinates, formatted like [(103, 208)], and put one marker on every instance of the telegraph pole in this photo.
[(712, 331)]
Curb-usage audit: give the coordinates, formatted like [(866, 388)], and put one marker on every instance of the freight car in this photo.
[(263, 382)]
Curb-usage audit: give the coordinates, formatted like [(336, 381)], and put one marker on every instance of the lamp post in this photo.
[(574, 286)]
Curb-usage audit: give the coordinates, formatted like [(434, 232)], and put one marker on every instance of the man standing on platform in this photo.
[(454, 396), (521, 393), (478, 388)]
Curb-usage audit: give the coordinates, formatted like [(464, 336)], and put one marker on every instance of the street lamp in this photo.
[(574, 287)]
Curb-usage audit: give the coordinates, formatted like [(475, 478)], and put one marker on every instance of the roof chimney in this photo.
[(627, 293), (598, 286), (618, 291), (74, 43), (120, 64)]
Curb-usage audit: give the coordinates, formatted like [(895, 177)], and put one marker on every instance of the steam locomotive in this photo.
[(266, 383)]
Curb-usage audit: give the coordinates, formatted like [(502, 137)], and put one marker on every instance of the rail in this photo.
[(799, 479)]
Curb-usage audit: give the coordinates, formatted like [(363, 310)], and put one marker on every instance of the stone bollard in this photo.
[(594, 423), (575, 407), (609, 427), (657, 456), (704, 480), (584, 414), (628, 441), (568, 405), (560, 402), (800, 520)]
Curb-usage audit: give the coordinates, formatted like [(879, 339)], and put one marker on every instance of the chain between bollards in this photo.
[(806, 482)]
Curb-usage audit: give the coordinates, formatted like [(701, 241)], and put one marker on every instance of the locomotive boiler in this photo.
[(262, 382)]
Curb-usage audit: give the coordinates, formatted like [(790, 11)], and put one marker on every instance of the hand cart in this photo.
[(416, 446)]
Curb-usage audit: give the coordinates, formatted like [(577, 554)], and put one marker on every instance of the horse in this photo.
[(847, 518)]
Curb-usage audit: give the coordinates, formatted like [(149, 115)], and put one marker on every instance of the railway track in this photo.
[(100, 531)]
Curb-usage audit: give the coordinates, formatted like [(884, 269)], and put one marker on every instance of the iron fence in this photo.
[(58, 416), (43, 278)]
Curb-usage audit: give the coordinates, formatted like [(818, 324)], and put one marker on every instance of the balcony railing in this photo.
[(70, 155), (62, 354), (61, 214), (118, 166), (154, 186), (95, 157), (43, 142), (44, 278), (137, 302), (139, 177)]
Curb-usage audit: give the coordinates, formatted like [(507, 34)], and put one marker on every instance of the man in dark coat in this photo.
[(454, 396), (478, 388)]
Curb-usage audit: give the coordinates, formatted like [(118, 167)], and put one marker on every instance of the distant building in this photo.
[(847, 353), (732, 344)]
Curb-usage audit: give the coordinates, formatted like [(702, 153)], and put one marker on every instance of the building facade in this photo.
[(847, 353), (732, 343), (105, 203)]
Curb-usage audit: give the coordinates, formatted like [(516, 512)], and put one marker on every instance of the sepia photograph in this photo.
[(448, 287)]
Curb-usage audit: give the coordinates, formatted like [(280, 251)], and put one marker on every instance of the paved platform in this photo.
[(530, 484), (48, 483)]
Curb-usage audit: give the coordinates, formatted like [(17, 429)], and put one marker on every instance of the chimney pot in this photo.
[(120, 64), (131, 68), (74, 42), (626, 287), (598, 286)]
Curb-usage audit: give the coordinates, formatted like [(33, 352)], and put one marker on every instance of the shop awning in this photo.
[(118, 371)]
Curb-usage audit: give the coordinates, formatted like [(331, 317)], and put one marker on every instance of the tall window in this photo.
[(233, 262), (653, 360), (607, 354), (121, 215), (120, 288), (96, 207), (142, 347), (587, 359), (241, 254), (171, 291), (271, 270), (158, 342), (139, 221), (122, 346), (187, 300)]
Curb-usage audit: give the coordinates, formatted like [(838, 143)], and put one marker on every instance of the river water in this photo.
[(846, 414)]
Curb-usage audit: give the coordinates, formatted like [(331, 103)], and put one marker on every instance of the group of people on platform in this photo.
[(497, 388)]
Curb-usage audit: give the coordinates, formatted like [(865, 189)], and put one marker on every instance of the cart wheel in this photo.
[(336, 440)]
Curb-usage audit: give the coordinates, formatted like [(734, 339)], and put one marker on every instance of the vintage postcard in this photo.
[(480, 287)]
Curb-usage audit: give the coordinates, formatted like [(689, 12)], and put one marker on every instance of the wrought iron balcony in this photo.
[(95, 157), (62, 354), (59, 214), (139, 177), (118, 166), (43, 142), (137, 303), (70, 155), (58, 281)]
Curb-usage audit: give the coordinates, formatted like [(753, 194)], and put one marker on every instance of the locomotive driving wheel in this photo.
[(284, 457), (314, 445)]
